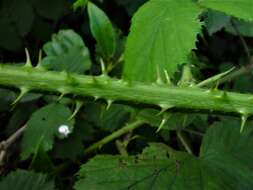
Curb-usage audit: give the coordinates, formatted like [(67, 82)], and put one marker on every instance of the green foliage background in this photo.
[(126, 145)]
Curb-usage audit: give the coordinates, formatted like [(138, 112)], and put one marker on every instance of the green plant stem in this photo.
[(184, 142), (121, 148), (4, 145), (193, 132), (243, 70), (114, 135), (160, 95)]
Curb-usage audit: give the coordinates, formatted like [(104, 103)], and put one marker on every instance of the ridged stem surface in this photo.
[(162, 95)]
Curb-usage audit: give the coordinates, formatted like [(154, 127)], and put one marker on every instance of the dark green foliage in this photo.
[(25, 180), (126, 94), (43, 126)]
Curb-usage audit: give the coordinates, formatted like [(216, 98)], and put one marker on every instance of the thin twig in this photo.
[(245, 68), (121, 148), (184, 142), (193, 132), (114, 135), (4, 145), (215, 78)]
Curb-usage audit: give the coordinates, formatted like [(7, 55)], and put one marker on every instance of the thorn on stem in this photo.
[(244, 118), (96, 98), (109, 103), (63, 92), (78, 106), (163, 122), (164, 108), (61, 96), (167, 77), (39, 64), (28, 59), (23, 91), (158, 75), (103, 69), (223, 95)]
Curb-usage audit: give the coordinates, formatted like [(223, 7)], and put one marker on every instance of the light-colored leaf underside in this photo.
[(238, 8), (163, 32)]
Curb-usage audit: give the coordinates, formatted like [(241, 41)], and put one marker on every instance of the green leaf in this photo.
[(229, 154), (163, 32), (225, 163), (118, 172), (68, 52), (26, 180), (215, 21), (43, 127), (243, 84), (156, 149), (175, 121), (241, 9), (113, 118), (225, 138), (102, 30), (244, 28), (41, 162), (6, 98), (80, 3), (19, 116)]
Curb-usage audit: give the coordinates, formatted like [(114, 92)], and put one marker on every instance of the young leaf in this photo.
[(43, 126), (102, 30), (68, 52), (163, 32), (26, 180), (241, 9)]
